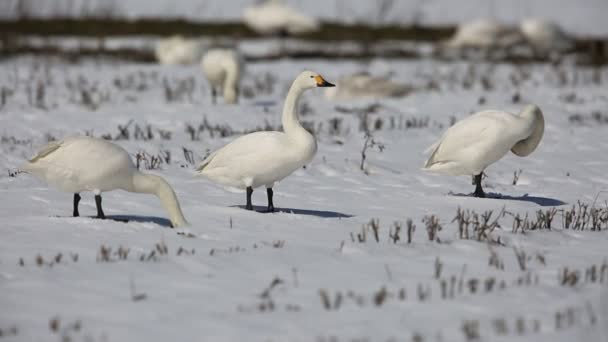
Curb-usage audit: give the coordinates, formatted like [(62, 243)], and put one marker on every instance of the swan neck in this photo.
[(534, 130), (290, 119), (152, 184), (231, 83)]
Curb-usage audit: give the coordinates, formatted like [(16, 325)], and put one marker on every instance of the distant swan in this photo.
[(545, 36), (223, 69), (178, 50), (275, 17), (79, 164), (364, 85), (484, 33), (481, 139), (263, 158)]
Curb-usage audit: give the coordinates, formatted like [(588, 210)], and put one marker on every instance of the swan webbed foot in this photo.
[(270, 193), (249, 206), (100, 213), (76, 201), (478, 189)]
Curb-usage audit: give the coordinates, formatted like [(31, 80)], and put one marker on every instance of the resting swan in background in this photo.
[(545, 36), (223, 69), (363, 85), (178, 50), (79, 164), (275, 17), (484, 33), (481, 139), (263, 158)]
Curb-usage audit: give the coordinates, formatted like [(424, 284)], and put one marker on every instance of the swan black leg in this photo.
[(249, 206), (213, 95), (76, 201), (100, 213), (269, 192), (478, 190)]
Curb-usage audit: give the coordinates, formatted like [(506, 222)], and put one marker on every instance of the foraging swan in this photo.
[(263, 158), (484, 33), (364, 85), (223, 69), (178, 50), (79, 164), (275, 17), (481, 139), (545, 36)]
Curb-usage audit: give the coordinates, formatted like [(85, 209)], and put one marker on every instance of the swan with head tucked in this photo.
[(223, 69), (263, 158), (275, 17), (178, 50), (474, 143), (364, 85), (484, 33), (545, 36), (78, 164)]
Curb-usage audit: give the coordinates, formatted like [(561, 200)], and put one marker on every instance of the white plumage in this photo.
[(545, 36), (363, 85), (485, 33), (78, 164), (274, 16), (263, 158), (223, 69), (474, 143), (178, 50)]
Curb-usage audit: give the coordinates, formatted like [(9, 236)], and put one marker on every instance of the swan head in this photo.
[(310, 79), (534, 116), (230, 95)]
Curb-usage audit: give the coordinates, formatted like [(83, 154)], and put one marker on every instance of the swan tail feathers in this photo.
[(433, 150), (46, 150), (205, 163)]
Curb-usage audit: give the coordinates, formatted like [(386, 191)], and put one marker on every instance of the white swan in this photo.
[(79, 164), (263, 158), (223, 69), (178, 50), (364, 85), (484, 33), (274, 16), (481, 139), (545, 36)]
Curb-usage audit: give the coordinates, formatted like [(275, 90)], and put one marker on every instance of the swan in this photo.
[(223, 69), (484, 33), (545, 36), (275, 17), (364, 85), (263, 158), (82, 163), (474, 143), (178, 50)]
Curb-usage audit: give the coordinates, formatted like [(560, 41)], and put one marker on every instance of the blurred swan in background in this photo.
[(178, 50), (275, 17), (82, 163), (361, 85), (223, 69), (476, 142), (485, 33), (545, 36), (263, 158)]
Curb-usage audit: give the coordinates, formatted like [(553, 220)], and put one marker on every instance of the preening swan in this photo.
[(364, 85), (223, 69), (178, 50), (545, 36), (275, 17), (481, 139), (79, 164), (484, 33), (263, 158)]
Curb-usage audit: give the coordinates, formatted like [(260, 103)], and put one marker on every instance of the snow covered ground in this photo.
[(584, 17), (302, 274)]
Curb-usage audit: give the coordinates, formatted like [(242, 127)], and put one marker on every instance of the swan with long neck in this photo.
[(263, 158), (476, 142), (78, 164), (223, 69)]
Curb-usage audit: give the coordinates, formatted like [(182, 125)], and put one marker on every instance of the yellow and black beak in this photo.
[(321, 82)]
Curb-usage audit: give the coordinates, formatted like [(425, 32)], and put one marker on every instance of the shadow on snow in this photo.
[(542, 201), (318, 213)]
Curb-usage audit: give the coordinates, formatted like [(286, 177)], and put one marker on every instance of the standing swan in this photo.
[(78, 164), (474, 143), (263, 158), (223, 69)]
